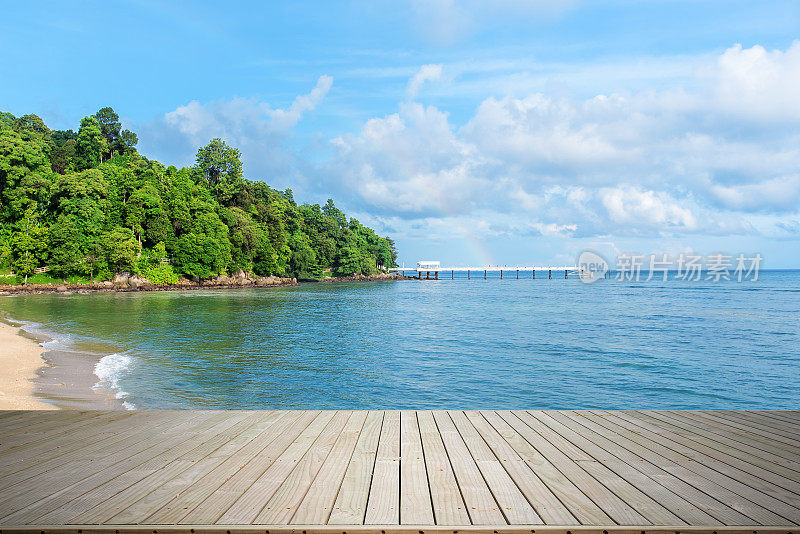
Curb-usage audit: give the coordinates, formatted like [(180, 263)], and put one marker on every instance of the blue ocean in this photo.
[(467, 344)]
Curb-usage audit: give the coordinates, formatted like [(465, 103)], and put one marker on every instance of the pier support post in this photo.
[(437, 275), (453, 274), (484, 274), (517, 274), (427, 275), (501, 274), (533, 277), (468, 274), (565, 273), (549, 274)]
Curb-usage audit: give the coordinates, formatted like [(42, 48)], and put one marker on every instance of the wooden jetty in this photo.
[(410, 472)]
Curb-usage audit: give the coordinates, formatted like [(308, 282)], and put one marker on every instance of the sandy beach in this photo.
[(20, 359)]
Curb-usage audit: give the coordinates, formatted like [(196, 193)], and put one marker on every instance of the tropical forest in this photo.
[(83, 206)]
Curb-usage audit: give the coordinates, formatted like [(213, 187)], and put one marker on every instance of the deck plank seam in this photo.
[(755, 493)]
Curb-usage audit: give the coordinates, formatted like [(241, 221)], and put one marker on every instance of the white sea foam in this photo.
[(110, 369)]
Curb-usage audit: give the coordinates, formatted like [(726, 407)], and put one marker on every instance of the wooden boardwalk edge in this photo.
[(391, 529)]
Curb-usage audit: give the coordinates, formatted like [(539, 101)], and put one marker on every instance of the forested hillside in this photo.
[(87, 205)]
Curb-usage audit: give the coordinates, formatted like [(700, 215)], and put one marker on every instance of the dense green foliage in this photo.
[(87, 204)]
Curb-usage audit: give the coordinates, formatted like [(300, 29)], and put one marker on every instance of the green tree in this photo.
[(109, 123), (24, 176), (265, 262), (91, 145), (126, 142), (122, 249), (303, 261), (221, 166), (65, 246), (199, 256), (143, 206), (28, 248), (348, 261)]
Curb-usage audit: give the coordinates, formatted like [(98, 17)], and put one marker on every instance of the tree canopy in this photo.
[(88, 205)]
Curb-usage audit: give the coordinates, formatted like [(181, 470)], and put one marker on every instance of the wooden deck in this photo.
[(411, 472)]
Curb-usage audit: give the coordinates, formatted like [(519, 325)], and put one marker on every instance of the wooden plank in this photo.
[(745, 441), (127, 459), (388, 529), (615, 444), (513, 504), (317, 504), (481, 505), (574, 499), (754, 475), (21, 421), (415, 496), (760, 430), (106, 502), (732, 427), (679, 509), (350, 506), (68, 454), (787, 429), (771, 462), (66, 479), (448, 505), (38, 431), (660, 472), (680, 465), (538, 495), (283, 504), (780, 416), (181, 501), (248, 505), (239, 447), (226, 493), (615, 507), (140, 479), (648, 507), (383, 504), (709, 467)]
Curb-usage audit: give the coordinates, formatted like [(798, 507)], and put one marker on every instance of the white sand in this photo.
[(20, 357)]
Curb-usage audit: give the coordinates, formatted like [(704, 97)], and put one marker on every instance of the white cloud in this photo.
[(636, 207), (705, 158), (426, 73), (758, 83), (257, 128)]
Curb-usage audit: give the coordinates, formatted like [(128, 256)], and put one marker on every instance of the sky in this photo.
[(509, 132)]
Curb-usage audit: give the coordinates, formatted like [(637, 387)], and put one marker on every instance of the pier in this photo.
[(431, 271), (392, 472)]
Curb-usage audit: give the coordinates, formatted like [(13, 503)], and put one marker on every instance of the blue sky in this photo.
[(471, 132)]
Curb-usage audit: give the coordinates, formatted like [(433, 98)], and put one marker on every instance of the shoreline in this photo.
[(47, 378), (23, 359), (186, 285)]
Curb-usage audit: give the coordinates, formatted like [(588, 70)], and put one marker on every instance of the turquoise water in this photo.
[(507, 344)]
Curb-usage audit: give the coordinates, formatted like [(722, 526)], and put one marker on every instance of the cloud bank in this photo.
[(709, 159)]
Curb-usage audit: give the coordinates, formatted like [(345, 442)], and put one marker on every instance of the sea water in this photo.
[(462, 344)]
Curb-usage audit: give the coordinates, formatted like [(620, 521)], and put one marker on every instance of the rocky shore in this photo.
[(379, 277), (126, 282)]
